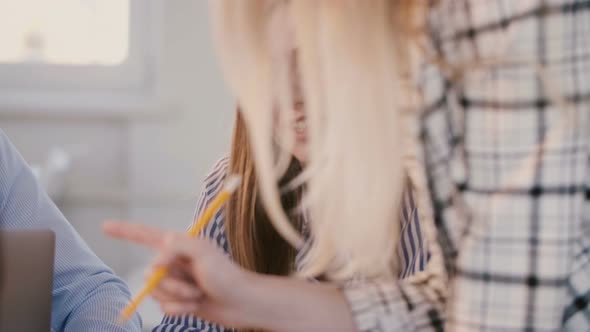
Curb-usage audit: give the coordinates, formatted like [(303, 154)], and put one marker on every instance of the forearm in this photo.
[(291, 305), (283, 304)]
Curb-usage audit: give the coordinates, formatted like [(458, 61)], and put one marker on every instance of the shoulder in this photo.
[(214, 180), (4, 141), (10, 159), (11, 165), (213, 184)]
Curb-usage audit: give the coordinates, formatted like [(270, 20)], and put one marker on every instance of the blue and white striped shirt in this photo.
[(87, 296), (412, 251)]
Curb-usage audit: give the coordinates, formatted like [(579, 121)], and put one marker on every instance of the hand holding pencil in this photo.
[(176, 284)]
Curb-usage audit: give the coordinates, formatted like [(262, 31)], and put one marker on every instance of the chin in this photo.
[(300, 154)]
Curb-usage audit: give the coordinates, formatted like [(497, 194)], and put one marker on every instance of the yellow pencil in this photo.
[(231, 184)]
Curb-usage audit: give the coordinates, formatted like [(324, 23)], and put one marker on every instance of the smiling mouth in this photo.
[(300, 125), (300, 118)]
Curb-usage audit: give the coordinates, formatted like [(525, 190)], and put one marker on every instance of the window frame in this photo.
[(128, 86)]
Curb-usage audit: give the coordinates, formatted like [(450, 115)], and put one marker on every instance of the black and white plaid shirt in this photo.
[(506, 138)]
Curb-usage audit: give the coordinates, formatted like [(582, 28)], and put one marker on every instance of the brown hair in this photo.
[(254, 242)]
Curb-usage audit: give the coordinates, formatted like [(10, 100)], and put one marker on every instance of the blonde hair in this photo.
[(354, 61)]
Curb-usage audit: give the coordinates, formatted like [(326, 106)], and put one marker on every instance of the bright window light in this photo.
[(64, 32)]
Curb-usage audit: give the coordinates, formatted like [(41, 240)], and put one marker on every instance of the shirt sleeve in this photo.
[(87, 296), (214, 230), (389, 306)]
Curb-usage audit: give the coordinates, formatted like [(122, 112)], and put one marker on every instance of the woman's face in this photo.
[(283, 50)]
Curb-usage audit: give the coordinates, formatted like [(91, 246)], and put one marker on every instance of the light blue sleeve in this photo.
[(87, 296)]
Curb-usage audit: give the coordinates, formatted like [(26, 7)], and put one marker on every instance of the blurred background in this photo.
[(120, 108)]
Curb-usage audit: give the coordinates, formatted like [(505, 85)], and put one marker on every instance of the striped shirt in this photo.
[(87, 296), (412, 251)]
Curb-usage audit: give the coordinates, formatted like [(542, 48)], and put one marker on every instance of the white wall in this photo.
[(160, 161), (168, 159)]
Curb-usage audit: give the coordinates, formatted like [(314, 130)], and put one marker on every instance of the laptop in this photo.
[(26, 280)]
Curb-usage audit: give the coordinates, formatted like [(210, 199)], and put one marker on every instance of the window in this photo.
[(64, 32), (60, 50)]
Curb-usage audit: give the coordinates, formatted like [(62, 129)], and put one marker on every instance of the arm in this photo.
[(295, 305), (286, 304), (87, 296), (279, 303)]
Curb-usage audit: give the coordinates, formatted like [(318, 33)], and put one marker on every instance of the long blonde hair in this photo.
[(354, 57)]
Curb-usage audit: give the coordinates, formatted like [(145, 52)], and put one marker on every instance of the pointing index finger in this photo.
[(150, 237)]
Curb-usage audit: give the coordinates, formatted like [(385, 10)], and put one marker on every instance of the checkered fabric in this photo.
[(505, 134)]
